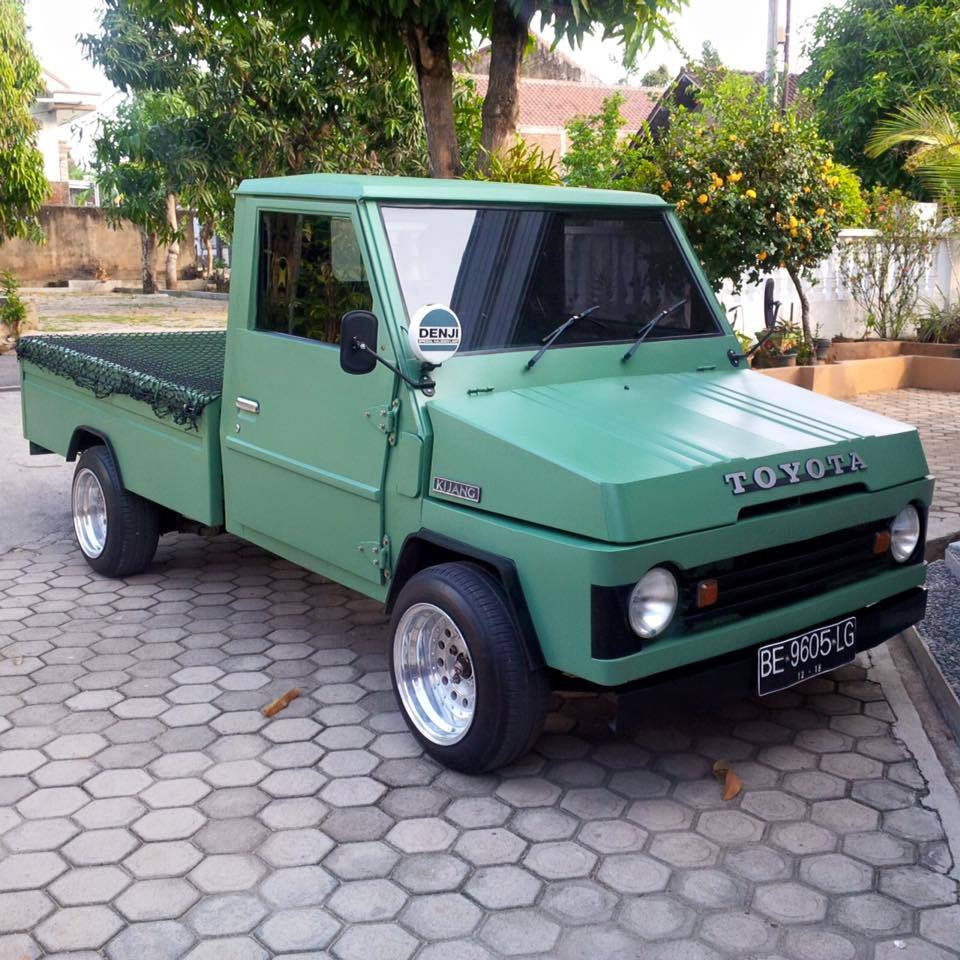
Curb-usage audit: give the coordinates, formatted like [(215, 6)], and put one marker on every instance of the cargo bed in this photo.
[(156, 396)]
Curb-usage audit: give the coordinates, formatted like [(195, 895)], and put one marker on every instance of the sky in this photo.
[(737, 28)]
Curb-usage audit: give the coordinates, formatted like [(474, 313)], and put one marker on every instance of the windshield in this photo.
[(513, 275)]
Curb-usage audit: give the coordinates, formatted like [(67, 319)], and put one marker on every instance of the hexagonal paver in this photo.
[(226, 872), (180, 792), (97, 847), (633, 873), (844, 816), (29, 871), (431, 872), (918, 886), (423, 835), (790, 903), (579, 901), (160, 938), (297, 887), (24, 910), (87, 885), (364, 900), (513, 932), (658, 917), (78, 928), (305, 929), (361, 861), (441, 915), (118, 783), (487, 847), (684, 849), (836, 873), (871, 914), (157, 899), (942, 926), (165, 859), (375, 941)]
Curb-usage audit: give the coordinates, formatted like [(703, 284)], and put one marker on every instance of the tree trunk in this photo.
[(173, 250), (804, 310), (147, 244), (430, 54), (501, 106), (207, 233)]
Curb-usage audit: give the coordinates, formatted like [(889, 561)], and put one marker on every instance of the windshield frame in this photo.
[(665, 213)]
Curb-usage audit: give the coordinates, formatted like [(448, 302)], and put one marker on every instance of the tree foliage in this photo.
[(755, 188), (658, 77), (932, 135), (430, 34), (23, 186), (254, 104), (871, 57)]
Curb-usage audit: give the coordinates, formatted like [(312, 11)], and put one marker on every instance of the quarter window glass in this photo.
[(310, 273)]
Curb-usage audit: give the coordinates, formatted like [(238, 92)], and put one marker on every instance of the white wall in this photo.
[(831, 307)]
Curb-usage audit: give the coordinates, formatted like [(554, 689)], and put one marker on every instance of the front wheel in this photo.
[(117, 531), (460, 671)]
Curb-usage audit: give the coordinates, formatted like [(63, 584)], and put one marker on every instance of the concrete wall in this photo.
[(79, 237)]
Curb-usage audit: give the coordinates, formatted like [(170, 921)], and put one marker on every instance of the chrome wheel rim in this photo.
[(89, 513), (435, 675)]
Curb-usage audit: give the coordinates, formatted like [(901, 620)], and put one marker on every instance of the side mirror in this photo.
[(358, 330)]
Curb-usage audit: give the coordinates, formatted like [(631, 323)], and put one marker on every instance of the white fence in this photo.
[(831, 307)]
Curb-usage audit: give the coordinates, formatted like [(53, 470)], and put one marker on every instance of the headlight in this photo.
[(905, 533), (653, 602)]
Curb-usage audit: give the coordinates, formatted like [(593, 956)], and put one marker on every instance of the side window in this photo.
[(310, 273)]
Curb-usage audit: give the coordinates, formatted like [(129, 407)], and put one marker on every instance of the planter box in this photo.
[(849, 378), (874, 349)]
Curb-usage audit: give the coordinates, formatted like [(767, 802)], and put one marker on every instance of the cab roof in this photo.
[(339, 186)]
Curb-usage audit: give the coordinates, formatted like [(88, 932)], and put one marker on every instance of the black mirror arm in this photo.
[(735, 357), (425, 383)]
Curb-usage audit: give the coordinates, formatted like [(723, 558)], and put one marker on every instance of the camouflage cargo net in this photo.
[(177, 374)]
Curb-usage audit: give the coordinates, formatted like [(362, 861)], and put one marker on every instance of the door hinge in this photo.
[(377, 552), (384, 418)]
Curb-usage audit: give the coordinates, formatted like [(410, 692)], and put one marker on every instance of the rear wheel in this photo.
[(460, 670), (117, 531)]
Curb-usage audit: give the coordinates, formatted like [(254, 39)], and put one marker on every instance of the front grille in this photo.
[(777, 576)]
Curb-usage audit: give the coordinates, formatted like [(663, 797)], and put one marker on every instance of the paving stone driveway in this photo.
[(149, 811)]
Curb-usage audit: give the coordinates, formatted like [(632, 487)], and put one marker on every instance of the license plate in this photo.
[(787, 662)]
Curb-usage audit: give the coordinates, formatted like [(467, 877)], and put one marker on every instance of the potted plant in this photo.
[(781, 347)]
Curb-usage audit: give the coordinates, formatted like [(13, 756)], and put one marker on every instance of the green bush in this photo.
[(13, 310)]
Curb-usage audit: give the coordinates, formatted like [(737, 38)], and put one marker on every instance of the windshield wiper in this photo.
[(554, 335), (648, 327)]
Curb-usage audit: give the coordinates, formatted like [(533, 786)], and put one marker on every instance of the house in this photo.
[(56, 108), (554, 89), (681, 92)]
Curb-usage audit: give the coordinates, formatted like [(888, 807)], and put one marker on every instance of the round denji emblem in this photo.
[(434, 333)]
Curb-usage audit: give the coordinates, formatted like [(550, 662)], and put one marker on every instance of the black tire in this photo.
[(132, 523), (511, 697)]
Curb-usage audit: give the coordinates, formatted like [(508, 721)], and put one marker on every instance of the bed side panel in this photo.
[(176, 467)]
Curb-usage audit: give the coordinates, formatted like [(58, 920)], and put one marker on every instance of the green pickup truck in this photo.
[(518, 417)]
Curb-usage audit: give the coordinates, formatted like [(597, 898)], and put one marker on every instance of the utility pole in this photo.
[(786, 61), (770, 74)]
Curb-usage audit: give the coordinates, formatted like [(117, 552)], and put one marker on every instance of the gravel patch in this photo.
[(941, 628)]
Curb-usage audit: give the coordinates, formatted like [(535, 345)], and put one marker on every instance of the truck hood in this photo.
[(640, 458)]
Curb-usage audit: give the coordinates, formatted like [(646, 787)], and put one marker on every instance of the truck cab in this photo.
[(518, 417)]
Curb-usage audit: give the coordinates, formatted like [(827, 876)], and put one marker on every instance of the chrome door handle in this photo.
[(248, 406)]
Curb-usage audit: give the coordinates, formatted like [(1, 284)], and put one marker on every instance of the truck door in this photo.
[(303, 455)]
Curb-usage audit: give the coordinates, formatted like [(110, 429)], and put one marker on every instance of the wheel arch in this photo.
[(425, 548), (85, 437)]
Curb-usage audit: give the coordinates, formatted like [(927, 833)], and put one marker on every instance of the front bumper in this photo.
[(735, 675), (556, 572)]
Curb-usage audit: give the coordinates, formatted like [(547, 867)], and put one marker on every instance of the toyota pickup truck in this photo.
[(517, 416)]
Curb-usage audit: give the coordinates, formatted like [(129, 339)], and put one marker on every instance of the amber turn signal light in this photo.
[(881, 542), (707, 593)]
